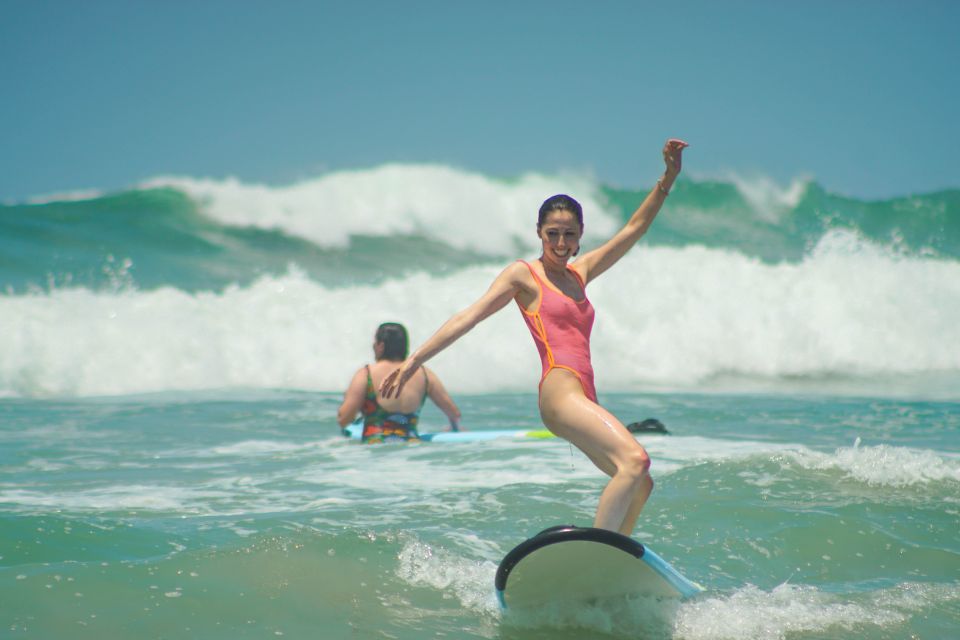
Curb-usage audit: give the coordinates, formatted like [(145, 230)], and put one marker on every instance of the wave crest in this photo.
[(465, 210)]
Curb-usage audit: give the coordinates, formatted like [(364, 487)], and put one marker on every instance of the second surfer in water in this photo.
[(551, 294)]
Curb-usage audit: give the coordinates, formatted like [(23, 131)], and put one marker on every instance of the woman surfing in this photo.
[(551, 294)]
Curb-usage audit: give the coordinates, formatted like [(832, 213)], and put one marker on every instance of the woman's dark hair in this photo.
[(393, 335), (559, 202)]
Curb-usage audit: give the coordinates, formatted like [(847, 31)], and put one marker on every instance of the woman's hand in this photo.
[(673, 156), (394, 383)]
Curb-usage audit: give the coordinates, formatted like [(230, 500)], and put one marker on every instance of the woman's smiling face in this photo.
[(560, 234)]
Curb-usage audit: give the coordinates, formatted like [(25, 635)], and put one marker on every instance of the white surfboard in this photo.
[(568, 564)]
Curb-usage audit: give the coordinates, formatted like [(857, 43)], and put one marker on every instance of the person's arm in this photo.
[(595, 262), (352, 398), (442, 399), (505, 286)]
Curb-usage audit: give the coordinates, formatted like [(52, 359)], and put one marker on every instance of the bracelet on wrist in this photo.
[(661, 188)]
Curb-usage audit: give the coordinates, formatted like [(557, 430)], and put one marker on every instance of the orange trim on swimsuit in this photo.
[(560, 327)]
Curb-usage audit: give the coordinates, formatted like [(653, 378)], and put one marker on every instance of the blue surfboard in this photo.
[(570, 564), (354, 430)]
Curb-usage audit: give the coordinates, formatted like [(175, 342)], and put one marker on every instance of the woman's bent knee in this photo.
[(636, 464)]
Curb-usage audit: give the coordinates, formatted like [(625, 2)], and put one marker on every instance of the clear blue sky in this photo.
[(863, 96)]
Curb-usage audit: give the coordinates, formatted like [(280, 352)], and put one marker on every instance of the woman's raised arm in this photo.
[(595, 262)]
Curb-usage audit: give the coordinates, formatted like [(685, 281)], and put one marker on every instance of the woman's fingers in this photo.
[(673, 153), (393, 384), (387, 386)]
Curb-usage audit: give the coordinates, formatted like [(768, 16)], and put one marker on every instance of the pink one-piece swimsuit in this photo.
[(560, 327)]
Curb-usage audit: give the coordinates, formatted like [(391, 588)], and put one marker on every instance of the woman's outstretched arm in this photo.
[(595, 262), (505, 287)]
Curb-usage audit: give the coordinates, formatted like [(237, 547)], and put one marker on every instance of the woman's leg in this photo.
[(567, 412), (636, 505), (630, 522)]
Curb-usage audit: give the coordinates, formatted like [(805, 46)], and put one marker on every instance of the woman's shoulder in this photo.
[(519, 271), (362, 371)]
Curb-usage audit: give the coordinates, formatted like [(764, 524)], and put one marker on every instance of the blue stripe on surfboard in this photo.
[(478, 436), (686, 588)]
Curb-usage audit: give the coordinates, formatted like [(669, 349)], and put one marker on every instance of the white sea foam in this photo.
[(883, 465), (670, 453), (114, 498), (534, 463), (420, 564), (756, 614), (666, 317), (849, 308), (463, 209), (249, 448), (751, 613)]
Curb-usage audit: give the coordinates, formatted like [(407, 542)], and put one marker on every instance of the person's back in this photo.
[(412, 397), (396, 418)]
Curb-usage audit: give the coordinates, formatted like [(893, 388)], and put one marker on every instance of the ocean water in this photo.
[(174, 354)]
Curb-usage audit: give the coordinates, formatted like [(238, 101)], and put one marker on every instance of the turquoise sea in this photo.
[(173, 356)]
